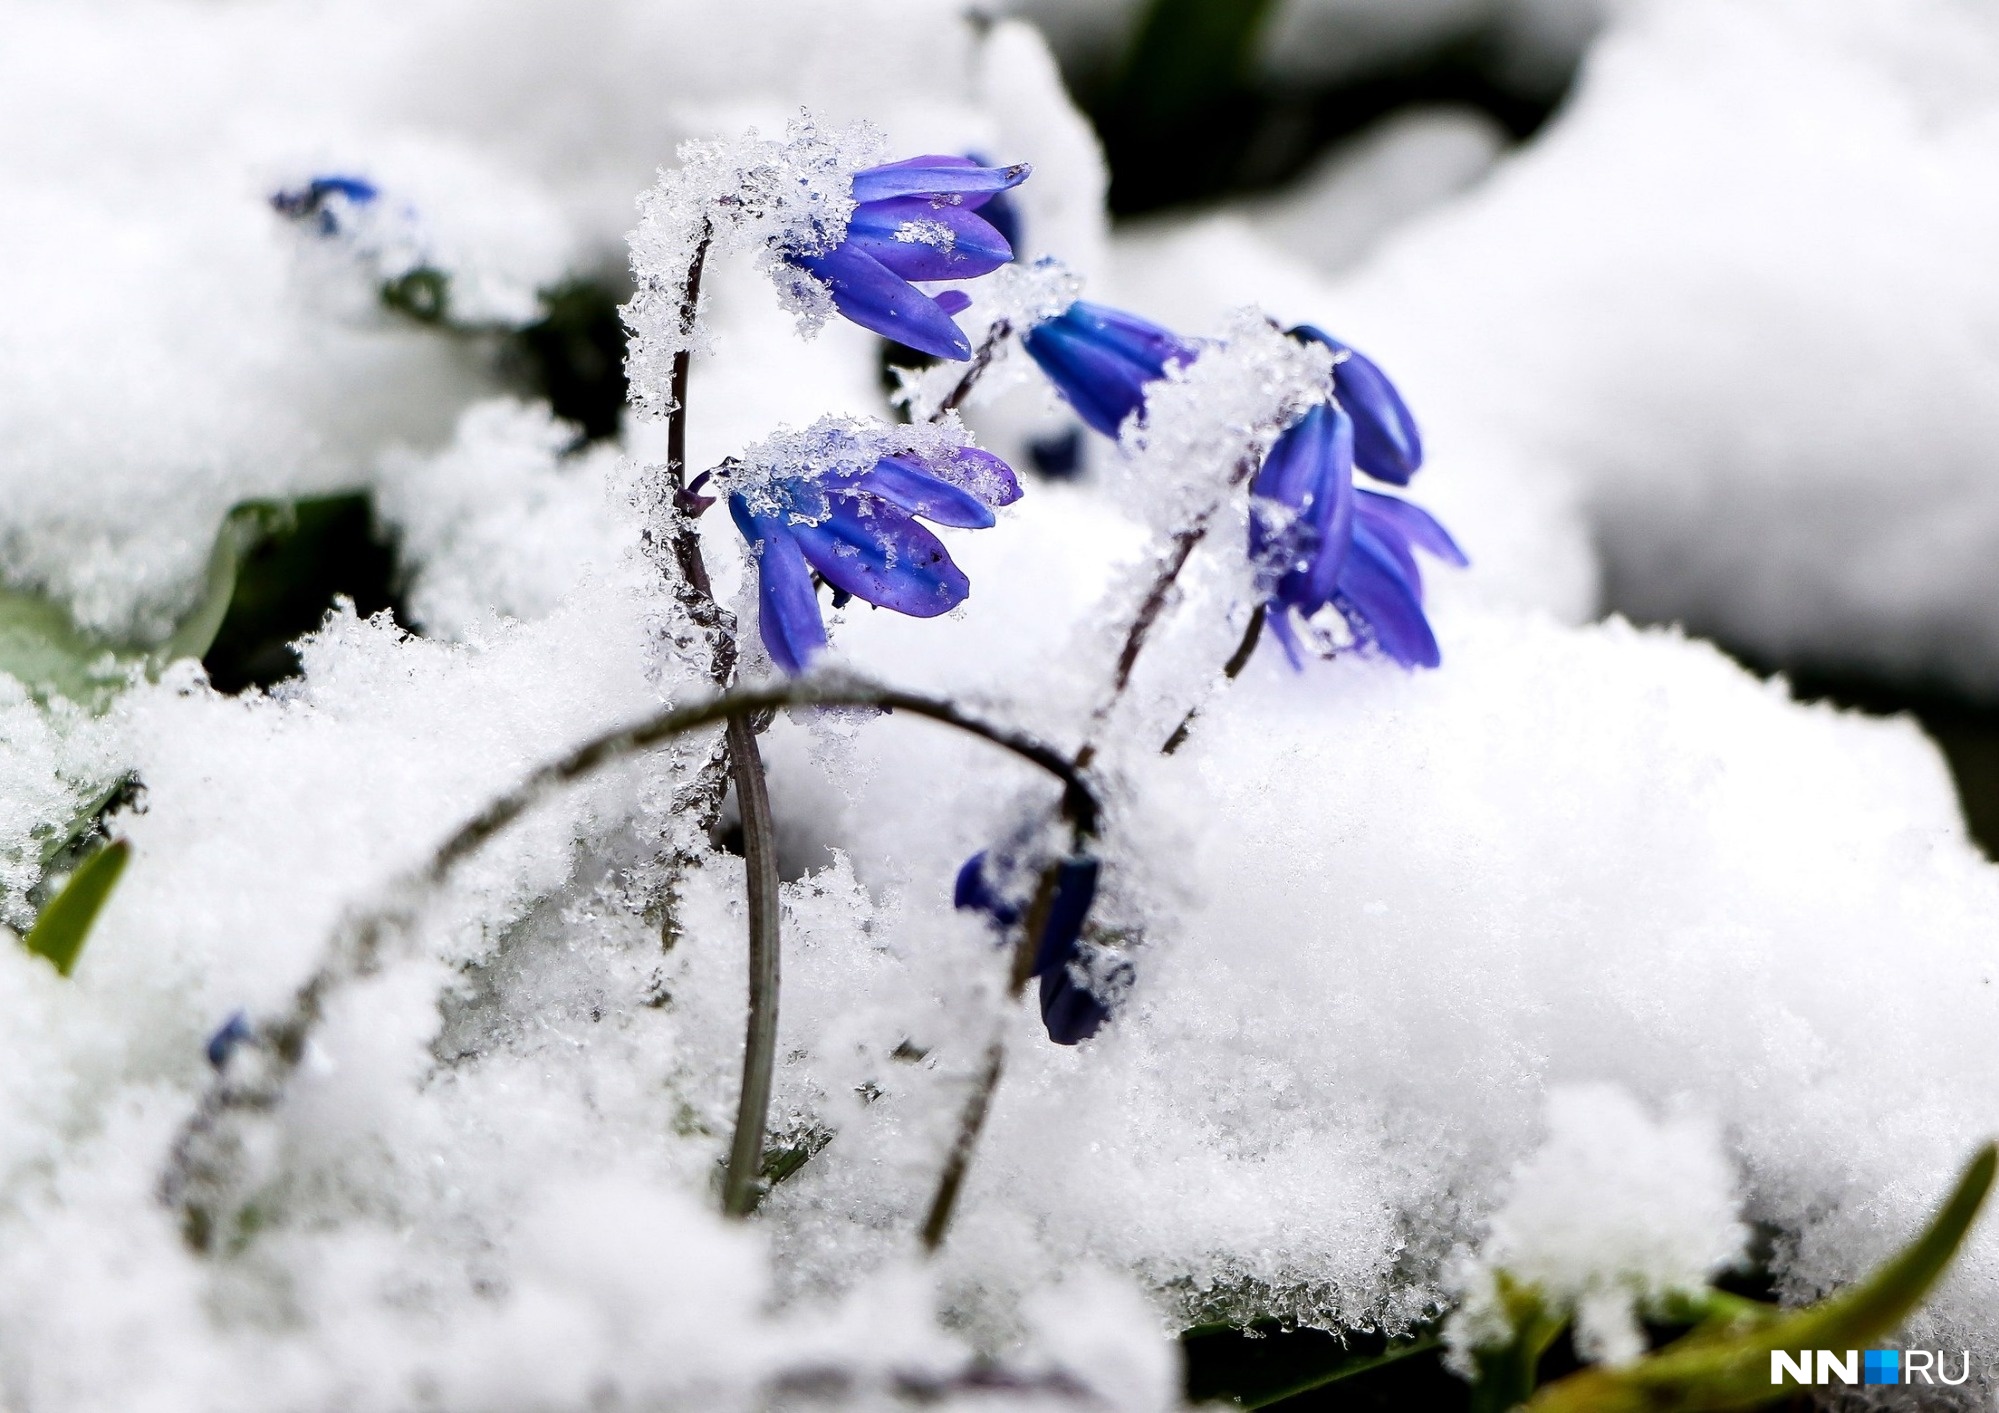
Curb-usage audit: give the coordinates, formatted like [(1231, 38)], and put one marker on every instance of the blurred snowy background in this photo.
[(1696, 301)]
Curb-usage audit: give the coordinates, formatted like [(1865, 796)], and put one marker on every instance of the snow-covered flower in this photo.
[(329, 202), (1071, 1009), (1102, 359), (917, 219), (1320, 541), (844, 501)]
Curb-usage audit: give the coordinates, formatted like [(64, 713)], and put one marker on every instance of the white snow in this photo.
[(1576, 952), (1609, 1217)]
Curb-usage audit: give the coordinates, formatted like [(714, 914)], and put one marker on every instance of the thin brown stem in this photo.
[(976, 369), (1231, 670), (1180, 549), (971, 1124), (206, 1170), (740, 1185), (683, 361), (979, 1103), (746, 771)]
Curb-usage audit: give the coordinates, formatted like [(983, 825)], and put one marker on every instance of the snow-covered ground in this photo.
[(1717, 346)]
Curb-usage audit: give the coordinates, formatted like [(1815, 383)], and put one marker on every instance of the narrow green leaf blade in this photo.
[(1706, 1374), (242, 529), (42, 648), (64, 926)]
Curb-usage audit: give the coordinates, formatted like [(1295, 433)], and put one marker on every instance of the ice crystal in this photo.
[(775, 198)]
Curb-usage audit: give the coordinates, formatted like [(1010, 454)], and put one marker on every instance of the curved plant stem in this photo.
[(1232, 669), (979, 1103), (1179, 550), (976, 369), (206, 1169), (746, 770), (740, 1186), (971, 1124), (683, 361)]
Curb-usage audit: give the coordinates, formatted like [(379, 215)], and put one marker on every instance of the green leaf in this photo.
[(1187, 54), (1725, 1363), (300, 558), (43, 649), (64, 926), (1507, 1374), (1351, 1367), (424, 294), (243, 529)]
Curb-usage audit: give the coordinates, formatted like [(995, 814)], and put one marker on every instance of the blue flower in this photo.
[(1101, 359), (1319, 540), (223, 1043), (859, 530), (324, 200), (1000, 212), (915, 220), (1071, 1012), (1386, 443)]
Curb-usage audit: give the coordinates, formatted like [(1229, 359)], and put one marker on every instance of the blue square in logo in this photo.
[(1881, 1366)]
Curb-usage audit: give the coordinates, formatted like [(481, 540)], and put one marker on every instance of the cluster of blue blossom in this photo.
[(859, 531), (913, 220), (1317, 540)]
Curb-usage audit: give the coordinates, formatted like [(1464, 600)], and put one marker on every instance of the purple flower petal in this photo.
[(1309, 473), (975, 892), (1412, 523), (1101, 359), (876, 298), (1332, 511), (920, 240), (1068, 910), (920, 176), (1382, 607), (787, 602), (1386, 443), (902, 481), (1071, 1013), (876, 551), (1395, 551), (223, 1043), (980, 472), (952, 301), (1279, 623)]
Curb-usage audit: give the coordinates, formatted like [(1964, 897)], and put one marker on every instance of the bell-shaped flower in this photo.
[(915, 220), (1070, 1010), (1101, 360), (857, 528), (1386, 443), (1319, 541)]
